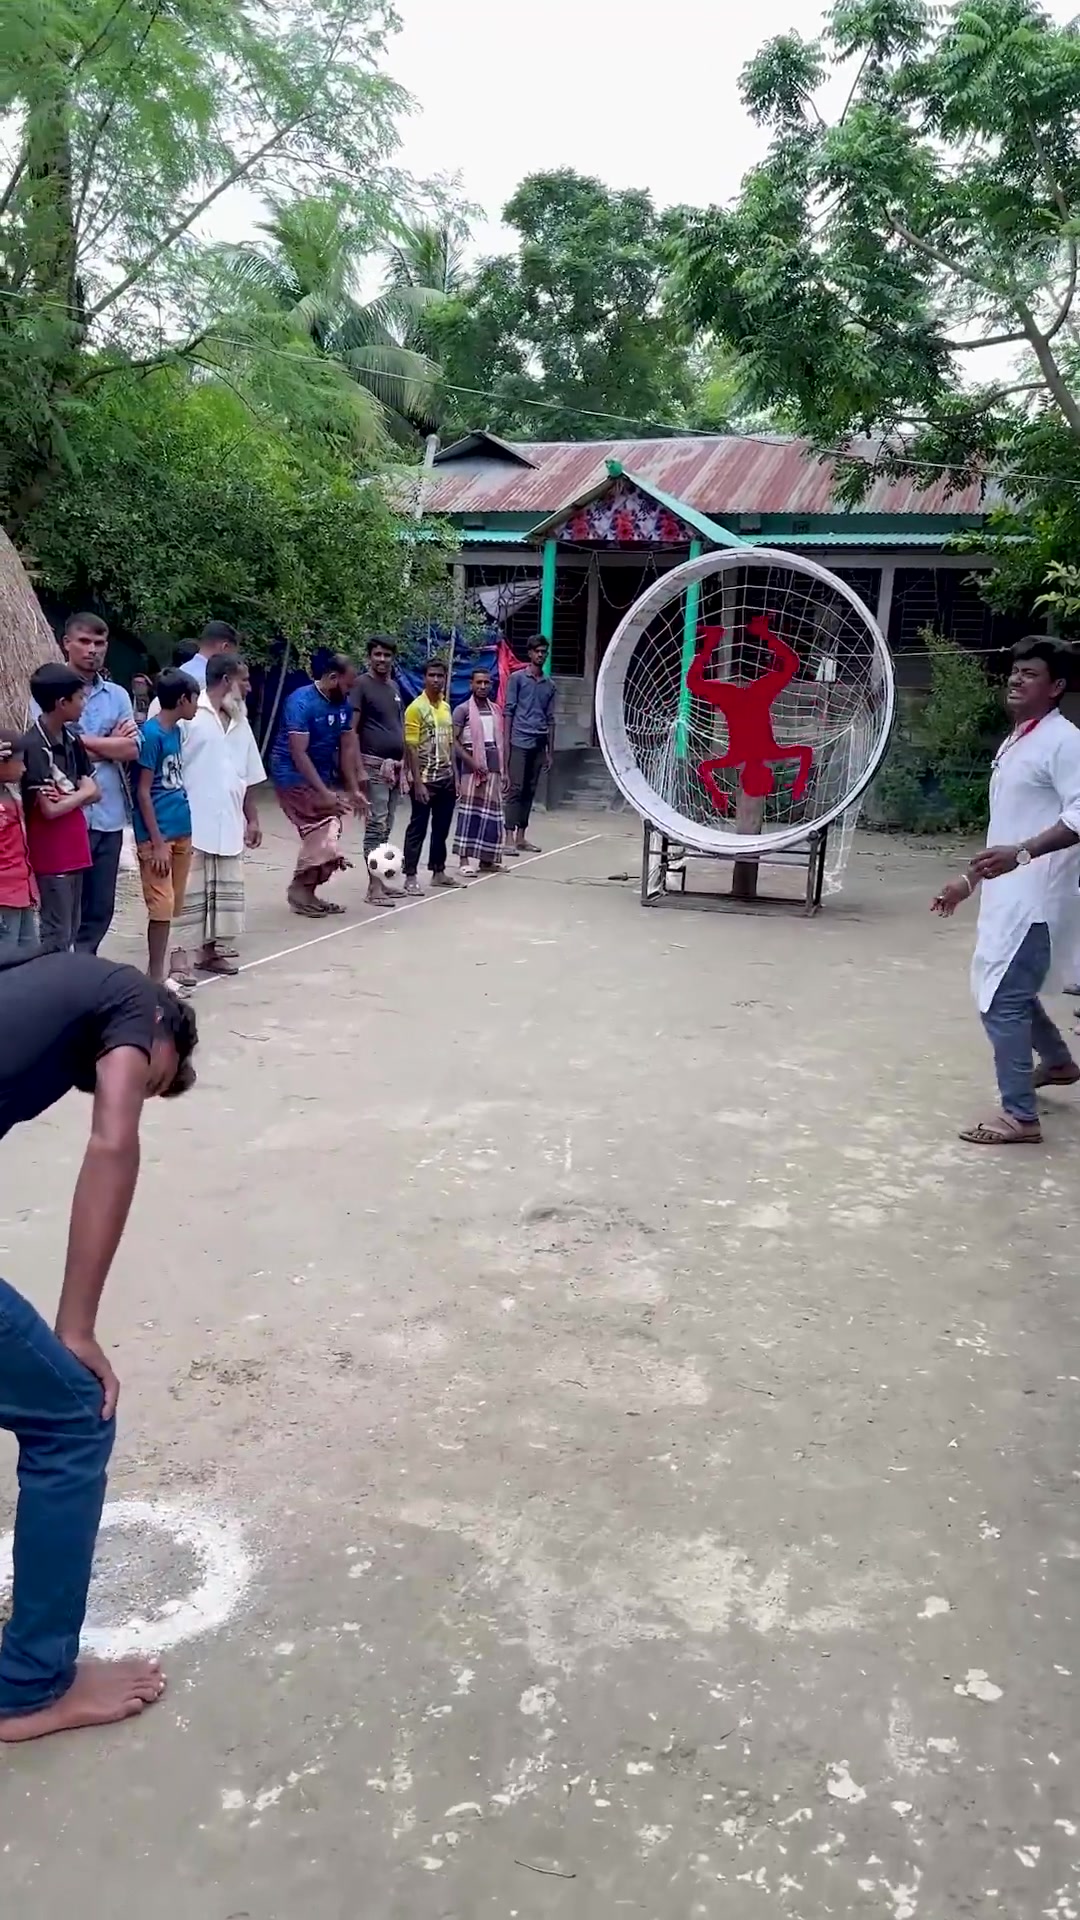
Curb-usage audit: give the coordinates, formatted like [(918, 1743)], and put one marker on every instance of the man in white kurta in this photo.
[(1029, 906), (221, 766)]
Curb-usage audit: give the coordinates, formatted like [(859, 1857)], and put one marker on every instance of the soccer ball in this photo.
[(384, 863)]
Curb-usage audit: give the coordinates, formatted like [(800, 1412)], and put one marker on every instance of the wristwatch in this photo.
[(1023, 856)]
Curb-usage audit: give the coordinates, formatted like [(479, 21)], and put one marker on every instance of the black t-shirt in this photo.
[(59, 1012), (381, 729), (43, 758)]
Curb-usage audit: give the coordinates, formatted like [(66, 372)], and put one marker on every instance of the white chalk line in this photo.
[(394, 913)]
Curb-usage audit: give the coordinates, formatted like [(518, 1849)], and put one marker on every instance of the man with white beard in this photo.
[(221, 769)]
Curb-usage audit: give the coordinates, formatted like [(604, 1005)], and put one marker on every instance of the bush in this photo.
[(936, 774)]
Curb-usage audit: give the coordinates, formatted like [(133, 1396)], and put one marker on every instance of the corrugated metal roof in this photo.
[(718, 476), (871, 541)]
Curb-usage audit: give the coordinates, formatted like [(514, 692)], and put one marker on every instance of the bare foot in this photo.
[(102, 1692)]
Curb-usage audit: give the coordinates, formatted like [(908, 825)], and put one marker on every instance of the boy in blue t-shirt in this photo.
[(162, 821)]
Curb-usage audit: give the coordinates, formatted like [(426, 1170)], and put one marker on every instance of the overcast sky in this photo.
[(643, 95)]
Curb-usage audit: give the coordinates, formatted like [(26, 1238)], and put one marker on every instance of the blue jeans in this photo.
[(98, 900), (18, 929), (52, 1405), (1017, 1022)]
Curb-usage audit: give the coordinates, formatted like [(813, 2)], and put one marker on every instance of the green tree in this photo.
[(873, 258), (186, 503), (550, 341), (125, 122), (299, 292)]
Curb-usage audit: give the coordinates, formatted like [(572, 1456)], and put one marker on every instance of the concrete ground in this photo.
[(652, 1436)]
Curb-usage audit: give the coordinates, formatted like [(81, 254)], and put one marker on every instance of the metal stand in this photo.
[(663, 859)]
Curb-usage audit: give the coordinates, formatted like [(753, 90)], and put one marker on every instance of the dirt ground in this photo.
[(595, 1440)]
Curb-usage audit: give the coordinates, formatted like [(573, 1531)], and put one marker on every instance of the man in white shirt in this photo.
[(221, 769), (217, 637), (1029, 907)]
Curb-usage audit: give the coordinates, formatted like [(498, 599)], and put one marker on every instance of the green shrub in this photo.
[(937, 772)]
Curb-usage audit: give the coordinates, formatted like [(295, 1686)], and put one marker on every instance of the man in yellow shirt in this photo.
[(429, 756)]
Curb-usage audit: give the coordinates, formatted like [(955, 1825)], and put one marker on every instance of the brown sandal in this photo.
[(1057, 1076), (1003, 1131)]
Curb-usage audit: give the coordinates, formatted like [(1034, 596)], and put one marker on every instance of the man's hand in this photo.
[(505, 784), (123, 730), (160, 858), (252, 834), (89, 1354), (422, 794), (549, 760), (993, 862), (359, 801), (952, 895), (88, 786)]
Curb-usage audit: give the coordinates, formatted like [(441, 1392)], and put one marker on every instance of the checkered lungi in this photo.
[(479, 833)]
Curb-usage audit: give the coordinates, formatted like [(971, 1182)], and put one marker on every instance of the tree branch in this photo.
[(95, 137), (16, 175), (1068, 405), (184, 225), (1070, 292), (103, 35)]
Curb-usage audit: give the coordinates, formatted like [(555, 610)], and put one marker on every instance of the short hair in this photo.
[(439, 665), (221, 666), (172, 686), (177, 1021), (381, 640), (53, 682), (483, 670), (89, 623), (537, 641), (1059, 659), (338, 663), (218, 630)]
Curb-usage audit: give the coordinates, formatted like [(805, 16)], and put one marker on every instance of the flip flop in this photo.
[(1002, 1131), (308, 910), (330, 906), (1057, 1076)]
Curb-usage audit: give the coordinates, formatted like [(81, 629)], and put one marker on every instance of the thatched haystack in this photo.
[(25, 635)]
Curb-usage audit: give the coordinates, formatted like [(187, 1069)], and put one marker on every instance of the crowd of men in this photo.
[(185, 767)]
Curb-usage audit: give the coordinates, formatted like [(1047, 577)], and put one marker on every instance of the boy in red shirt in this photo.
[(18, 893), (58, 786)]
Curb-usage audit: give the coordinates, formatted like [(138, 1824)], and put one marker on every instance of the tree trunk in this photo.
[(26, 638)]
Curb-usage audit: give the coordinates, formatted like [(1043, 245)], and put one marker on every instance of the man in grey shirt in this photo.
[(530, 742)]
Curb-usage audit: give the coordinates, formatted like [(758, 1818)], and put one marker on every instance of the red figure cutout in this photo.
[(748, 712)]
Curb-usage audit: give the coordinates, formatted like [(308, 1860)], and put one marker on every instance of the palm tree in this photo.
[(302, 289)]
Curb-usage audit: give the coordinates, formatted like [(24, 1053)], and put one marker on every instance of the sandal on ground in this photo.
[(529, 846), (308, 909), (1057, 1076), (330, 906), (1003, 1131), (221, 963)]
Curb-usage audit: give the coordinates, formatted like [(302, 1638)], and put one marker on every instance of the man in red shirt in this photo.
[(18, 891)]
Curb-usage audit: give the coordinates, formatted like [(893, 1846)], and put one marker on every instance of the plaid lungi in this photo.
[(214, 907), (479, 833)]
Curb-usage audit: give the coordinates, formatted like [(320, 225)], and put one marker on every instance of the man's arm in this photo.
[(305, 766), (353, 776), (122, 742), (121, 745), (99, 1210)]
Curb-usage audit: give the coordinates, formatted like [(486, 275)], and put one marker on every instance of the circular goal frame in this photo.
[(622, 756)]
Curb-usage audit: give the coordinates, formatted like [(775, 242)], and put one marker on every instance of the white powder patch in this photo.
[(771, 1218), (537, 1700), (902, 1807), (463, 1679), (284, 1648), (933, 1606), (978, 1686), (841, 1785), (903, 1747), (224, 1564), (937, 1745), (232, 1800), (639, 1766), (653, 1837), (1028, 1856), (464, 1806)]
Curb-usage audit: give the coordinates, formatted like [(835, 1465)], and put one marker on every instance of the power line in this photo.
[(675, 430)]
